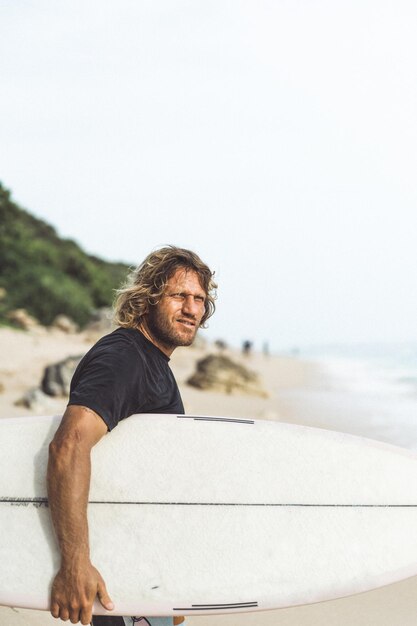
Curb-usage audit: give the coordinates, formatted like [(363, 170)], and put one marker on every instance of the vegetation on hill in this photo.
[(47, 275)]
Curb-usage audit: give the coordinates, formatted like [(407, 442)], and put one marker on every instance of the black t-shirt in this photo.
[(123, 374)]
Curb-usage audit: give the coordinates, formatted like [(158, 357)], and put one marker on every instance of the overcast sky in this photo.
[(278, 139)]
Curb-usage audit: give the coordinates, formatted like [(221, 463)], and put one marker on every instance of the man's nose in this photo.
[(190, 306)]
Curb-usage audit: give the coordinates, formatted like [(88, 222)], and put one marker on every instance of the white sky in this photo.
[(278, 139)]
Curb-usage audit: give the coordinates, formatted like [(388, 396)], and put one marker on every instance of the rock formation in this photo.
[(57, 377), (22, 319), (65, 323), (220, 373)]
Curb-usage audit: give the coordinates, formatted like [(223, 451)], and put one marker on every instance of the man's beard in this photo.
[(163, 331)]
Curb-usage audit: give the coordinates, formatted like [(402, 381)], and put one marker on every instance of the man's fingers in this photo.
[(73, 600), (104, 597), (86, 615), (64, 615), (74, 615), (55, 610)]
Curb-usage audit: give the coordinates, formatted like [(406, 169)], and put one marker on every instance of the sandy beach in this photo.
[(25, 354)]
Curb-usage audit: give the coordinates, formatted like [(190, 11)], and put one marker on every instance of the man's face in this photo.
[(174, 321)]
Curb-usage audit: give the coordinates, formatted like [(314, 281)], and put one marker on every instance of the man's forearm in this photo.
[(69, 470), (77, 582)]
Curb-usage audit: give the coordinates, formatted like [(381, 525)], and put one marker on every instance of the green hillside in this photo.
[(47, 275)]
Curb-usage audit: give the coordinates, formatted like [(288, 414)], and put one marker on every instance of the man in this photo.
[(168, 297)]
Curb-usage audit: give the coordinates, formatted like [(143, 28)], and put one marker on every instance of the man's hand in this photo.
[(74, 591)]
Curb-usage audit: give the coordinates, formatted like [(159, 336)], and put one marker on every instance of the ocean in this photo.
[(366, 389)]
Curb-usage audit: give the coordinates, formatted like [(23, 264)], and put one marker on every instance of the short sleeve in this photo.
[(110, 382)]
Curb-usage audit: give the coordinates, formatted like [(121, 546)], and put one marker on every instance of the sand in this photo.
[(24, 355)]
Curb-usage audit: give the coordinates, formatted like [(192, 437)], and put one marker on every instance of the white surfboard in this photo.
[(204, 515)]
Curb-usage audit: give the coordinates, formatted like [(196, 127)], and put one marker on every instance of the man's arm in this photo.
[(77, 583)]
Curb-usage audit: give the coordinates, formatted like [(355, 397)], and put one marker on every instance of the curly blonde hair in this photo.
[(146, 284)]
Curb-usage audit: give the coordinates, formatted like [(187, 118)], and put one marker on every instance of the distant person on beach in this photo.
[(247, 347), (167, 299)]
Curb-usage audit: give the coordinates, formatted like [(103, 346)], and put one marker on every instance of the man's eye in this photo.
[(181, 297)]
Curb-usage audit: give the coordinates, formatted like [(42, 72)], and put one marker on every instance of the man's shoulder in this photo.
[(115, 355), (126, 345), (120, 336), (118, 344)]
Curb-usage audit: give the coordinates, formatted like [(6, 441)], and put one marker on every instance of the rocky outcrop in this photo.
[(57, 377), (21, 319), (35, 400), (65, 323), (220, 373), (101, 322)]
